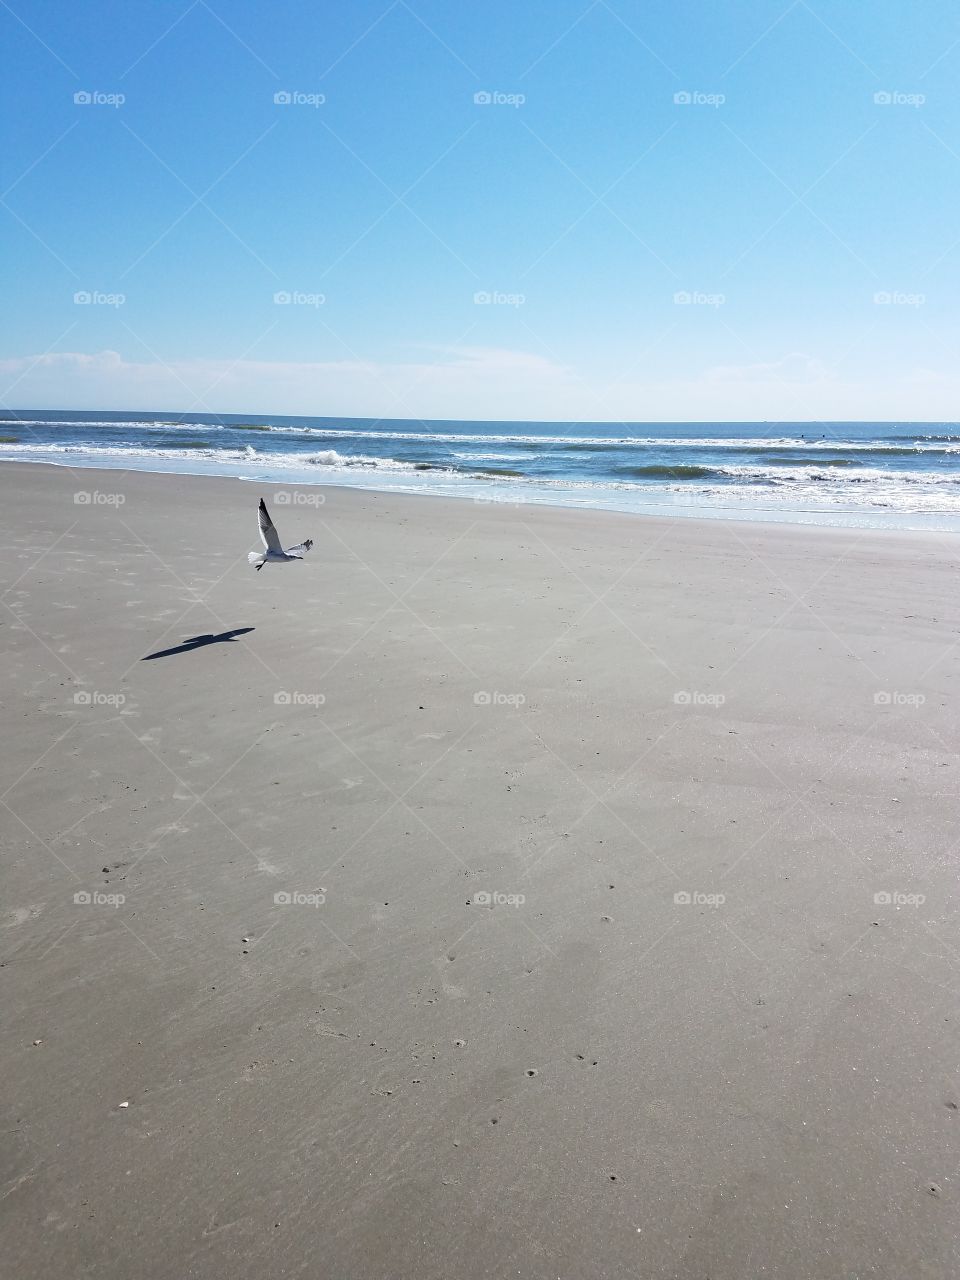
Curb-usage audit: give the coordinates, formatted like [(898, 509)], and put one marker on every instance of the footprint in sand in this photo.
[(449, 989), (20, 915), (169, 829)]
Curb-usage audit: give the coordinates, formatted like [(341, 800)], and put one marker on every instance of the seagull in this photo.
[(271, 542)]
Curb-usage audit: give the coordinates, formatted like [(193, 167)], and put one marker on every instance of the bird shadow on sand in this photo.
[(199, 642)]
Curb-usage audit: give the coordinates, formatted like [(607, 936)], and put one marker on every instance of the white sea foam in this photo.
[(919, 442), (799, 480), (497, 457)]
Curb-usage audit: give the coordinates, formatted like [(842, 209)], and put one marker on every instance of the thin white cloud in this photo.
[(481, 379), (796, 366), (473, 383)]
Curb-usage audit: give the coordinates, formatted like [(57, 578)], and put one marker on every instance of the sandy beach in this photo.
[(502, 891)]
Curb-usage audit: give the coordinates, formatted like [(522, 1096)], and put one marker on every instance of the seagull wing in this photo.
[(268, 532), (301, 549)]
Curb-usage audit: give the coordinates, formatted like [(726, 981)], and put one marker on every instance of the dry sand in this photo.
[(593, 1081)]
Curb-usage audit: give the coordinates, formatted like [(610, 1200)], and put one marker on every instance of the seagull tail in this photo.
[(257, 558)]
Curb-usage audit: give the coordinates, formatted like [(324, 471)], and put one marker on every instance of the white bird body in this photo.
[(272, 549)]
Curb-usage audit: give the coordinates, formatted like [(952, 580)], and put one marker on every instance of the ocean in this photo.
[(861, 474)]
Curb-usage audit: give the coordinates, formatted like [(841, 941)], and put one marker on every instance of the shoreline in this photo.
[(590, 877), (516, 509), (859, 520)]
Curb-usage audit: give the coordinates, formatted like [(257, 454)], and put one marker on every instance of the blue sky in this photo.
[(661, 211)]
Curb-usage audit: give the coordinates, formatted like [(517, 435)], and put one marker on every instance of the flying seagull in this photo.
[(271, 542)]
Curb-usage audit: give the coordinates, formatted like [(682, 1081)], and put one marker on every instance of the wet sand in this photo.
[(617, 875)]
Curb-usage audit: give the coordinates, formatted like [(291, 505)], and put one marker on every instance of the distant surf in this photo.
[(864, 474)]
